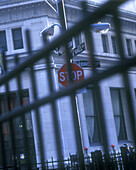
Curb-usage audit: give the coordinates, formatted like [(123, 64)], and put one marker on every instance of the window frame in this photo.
[(105, 43), (122, 128), (114, 44), (9, 102), (94, 116), (17, 39), (77, 40), (16, 135), (129, 46)]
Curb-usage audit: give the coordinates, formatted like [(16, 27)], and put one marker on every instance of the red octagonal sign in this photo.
[(77, 74)]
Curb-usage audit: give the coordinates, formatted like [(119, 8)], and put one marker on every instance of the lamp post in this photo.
[(78, 136), (49, 30), (101, 28), (61, 13)]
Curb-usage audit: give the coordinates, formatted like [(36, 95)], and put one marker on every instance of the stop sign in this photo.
[(77, 74)]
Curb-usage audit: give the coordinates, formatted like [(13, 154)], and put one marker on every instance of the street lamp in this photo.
[(49, 31), (102, 28), (98, 27)]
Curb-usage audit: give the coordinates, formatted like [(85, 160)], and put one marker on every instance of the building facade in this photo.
[(16, 17)]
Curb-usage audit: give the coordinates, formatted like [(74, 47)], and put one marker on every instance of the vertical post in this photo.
[(62, 16), (97, 90), (57, 126), (61, 13)]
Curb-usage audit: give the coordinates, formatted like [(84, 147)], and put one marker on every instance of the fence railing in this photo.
[(121, 160), (43, 55), (124, 159)]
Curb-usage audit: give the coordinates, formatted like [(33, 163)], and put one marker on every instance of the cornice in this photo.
[(25, 11), (92, 6), (73, 15), (33, 9), (74, 10), (127, 15), (11, 3)]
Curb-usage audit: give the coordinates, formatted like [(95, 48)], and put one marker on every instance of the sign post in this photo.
[(77, 74)]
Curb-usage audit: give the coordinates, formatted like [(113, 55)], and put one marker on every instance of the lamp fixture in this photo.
[(102, 28), (49, 31)]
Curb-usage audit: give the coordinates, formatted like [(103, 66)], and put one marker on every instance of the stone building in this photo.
[(16, 17)]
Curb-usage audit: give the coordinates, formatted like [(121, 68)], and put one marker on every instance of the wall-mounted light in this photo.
[(102, 28), (99, 27), (49, 31)]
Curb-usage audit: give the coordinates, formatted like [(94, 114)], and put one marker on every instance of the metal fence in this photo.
[(43, 55), (125, 159)]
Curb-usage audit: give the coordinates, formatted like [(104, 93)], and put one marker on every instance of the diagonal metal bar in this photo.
[(97, 77)]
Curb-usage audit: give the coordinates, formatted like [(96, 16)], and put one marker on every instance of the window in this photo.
[(3, 42), (105, 43), (117, 96), (10, 102), (77, 40), (129, 47), (17, 38), (91, 118), (114, 44), (70, 45)]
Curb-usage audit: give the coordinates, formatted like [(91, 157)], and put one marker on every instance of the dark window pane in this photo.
[(105, 43), (17, 38), (3, 42), (9, 102), (129, 47), (18, 44), (114, 44), (118, 113), (77, 40), (91, 117), (135, 46)]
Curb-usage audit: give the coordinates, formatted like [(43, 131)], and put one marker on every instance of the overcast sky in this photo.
[(130, 5)]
